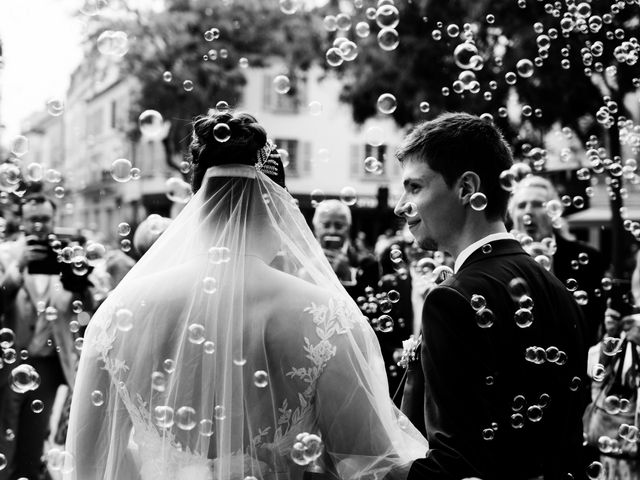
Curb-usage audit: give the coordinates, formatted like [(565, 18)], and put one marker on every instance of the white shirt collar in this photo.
[(466, 253)]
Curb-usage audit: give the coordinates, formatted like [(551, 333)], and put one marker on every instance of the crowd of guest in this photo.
[(51, 283)]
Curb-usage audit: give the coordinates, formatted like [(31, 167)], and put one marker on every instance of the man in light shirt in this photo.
[(38, 295)]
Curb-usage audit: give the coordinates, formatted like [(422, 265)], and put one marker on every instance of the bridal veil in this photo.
[(231, 350)]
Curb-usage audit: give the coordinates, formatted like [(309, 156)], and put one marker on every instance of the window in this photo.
[(291, 146), (283, 102), (96, 122), (358, 164)]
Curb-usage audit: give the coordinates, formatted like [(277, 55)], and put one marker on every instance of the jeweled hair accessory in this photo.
[(263, 155), (270, 163)]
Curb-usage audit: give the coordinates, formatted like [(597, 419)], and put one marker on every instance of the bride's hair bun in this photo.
[(225, 138)]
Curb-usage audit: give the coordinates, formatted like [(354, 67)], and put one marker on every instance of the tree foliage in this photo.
[(504, 32), (173, 40)]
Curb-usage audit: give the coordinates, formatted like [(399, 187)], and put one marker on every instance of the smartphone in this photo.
[(332, 242), (48, 265)]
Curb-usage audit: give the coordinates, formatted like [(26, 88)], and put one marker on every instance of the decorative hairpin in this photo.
[(263, 156)]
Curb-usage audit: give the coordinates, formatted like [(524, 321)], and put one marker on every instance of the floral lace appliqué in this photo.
[(335, 318)]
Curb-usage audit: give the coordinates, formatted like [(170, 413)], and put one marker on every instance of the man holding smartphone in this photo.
[(37, 294)]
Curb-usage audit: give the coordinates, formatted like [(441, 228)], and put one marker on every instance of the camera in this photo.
[(48, 265), (332, 242)]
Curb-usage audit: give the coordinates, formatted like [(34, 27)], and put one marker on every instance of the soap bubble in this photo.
[(374, 136), (453, 30), (463, 55), (121, 170), (343, 21), (523, 317), (388, 39), (363, 29), (55, 106), (24, 378), (205, 427), (124, 319), (163, 416), (9, 177), (372, 164), (35, 172), (7, 337), (185, 418), (219, 412), (478, 302), (289, 7), (222, 132), (478, 201), (317, 196), (19, 145), (524, 67), (315, 108), (37, 406), (387, 103), (209, 285), (485, 318), (348, 196), (349, 50), (195, 333), (151, 124), (97, 398), (387, 16), (124, 229), (281, 84), (260, 379), (334, 57)]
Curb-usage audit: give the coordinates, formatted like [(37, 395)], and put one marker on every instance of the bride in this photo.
[(231, 350)]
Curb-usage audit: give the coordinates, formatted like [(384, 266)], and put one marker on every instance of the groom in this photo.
[(502, 354)]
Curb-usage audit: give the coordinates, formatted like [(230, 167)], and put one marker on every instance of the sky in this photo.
[(41, 47)]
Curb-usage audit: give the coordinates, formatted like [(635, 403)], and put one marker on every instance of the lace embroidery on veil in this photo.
[(334, 318)]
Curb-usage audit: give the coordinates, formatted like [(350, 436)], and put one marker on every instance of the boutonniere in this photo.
[(409, 350)]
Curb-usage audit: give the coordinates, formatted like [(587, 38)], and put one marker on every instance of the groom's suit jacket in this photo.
[(489, 412)]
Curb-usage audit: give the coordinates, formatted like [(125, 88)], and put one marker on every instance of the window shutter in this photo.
[(304, 158), (266, 91), (356, 165)]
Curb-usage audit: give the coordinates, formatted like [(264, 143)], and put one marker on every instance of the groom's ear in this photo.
[(468, 184)]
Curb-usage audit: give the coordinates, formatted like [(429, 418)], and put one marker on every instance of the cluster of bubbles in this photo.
[(386, 17), (540, 355), (531, 411), (377, 306), (113, 43), (307, 448)]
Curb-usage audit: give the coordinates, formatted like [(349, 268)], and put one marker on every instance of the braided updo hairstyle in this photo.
[(208, 147)]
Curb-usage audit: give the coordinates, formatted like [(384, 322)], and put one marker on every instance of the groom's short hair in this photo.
[(455, 143)]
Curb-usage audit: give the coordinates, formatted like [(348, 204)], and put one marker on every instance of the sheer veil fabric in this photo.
[(230, 338)]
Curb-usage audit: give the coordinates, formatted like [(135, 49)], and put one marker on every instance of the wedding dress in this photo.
[(231, 351)]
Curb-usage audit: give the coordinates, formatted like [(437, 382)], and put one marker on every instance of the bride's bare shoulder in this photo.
[(285, 293)]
